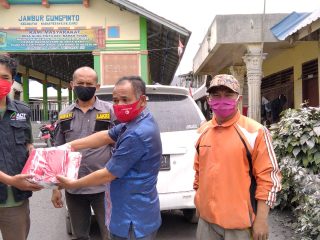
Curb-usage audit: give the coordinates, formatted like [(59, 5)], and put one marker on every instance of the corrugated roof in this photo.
[(288, 25), (293, 23)]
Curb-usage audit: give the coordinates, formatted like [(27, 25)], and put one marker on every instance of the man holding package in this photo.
[(133, 209), (82, 118), (16, 142)]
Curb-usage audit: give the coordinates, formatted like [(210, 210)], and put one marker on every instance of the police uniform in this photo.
[(74, 124), (15, 134)]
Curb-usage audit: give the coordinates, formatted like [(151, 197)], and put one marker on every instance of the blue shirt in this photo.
[(132, 197)]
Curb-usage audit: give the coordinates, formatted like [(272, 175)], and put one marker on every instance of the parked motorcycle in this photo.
[(47, 133)]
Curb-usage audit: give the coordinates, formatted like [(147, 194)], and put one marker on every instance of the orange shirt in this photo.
[(222, 178)]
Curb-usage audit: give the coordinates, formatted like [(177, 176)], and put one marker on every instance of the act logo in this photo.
[(18, 116)]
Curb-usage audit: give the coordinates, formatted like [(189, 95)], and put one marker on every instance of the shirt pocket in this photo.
[(19, 129), (65, 125), (102, 125)]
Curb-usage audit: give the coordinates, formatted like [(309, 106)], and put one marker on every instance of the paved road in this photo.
[(48, 223)]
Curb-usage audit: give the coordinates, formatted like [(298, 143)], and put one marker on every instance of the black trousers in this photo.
[(79, 206)]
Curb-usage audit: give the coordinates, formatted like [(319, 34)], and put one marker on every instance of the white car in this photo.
[(178, 118)]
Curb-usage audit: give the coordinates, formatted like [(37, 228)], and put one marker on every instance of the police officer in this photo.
[(82, 118), (16, 142)]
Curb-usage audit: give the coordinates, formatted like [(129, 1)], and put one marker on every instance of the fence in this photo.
[(38, 110)]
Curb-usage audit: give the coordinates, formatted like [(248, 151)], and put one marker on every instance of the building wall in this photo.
[(99, 14), (109, 61), (292, 57)]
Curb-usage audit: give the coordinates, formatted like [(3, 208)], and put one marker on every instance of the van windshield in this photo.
[(172, 112)]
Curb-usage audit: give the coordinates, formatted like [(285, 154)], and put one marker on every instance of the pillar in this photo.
[(144, 50), (238, 72), (45, 98), (97, 66), (59, 98), (70, 95), (25, 85), (319, 68), (74, 96), (253, 59)]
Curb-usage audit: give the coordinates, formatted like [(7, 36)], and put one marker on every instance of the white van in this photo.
[(178, 118)]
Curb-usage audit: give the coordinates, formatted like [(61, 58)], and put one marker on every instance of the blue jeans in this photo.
[(132, 236)]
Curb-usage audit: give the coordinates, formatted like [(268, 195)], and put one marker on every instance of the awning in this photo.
[(295, 22)]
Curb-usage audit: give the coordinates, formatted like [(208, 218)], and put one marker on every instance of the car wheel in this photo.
[(190, 215)]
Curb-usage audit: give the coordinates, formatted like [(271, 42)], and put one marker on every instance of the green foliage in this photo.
[(301, 191), (296, 140), (297, 135)]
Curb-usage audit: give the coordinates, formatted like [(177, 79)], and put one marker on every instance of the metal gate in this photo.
[(38, 110)]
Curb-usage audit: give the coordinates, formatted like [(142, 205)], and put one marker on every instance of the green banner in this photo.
[(52, 39)]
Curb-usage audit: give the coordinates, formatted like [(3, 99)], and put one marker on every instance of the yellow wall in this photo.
[(292, 57), (99, 14)]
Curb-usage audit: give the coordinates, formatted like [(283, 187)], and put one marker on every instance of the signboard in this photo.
[(52, 39), (115, 66), (48, 20)]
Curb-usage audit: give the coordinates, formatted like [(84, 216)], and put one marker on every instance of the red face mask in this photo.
[(5, 88), (127, 112)]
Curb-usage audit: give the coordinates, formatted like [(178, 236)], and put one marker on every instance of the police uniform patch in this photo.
[(103, 116), (66, 116), (102, 122)]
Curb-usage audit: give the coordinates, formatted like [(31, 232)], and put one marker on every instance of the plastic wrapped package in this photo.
[(44, 164), (73, 164)]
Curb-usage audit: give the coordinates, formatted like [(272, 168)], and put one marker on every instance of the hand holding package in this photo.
[(44, 164)]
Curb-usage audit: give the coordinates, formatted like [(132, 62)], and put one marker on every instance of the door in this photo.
[(310, 87)]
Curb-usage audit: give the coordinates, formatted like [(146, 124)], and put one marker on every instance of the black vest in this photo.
[(15, 133)]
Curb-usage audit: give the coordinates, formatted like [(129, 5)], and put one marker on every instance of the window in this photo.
[(172, 112), (277, 79), (277, 89), (113, 32), (310, 90), (278, 83)]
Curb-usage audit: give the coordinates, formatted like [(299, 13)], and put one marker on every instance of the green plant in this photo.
[(296, 140), (297, 135), (301, 191)]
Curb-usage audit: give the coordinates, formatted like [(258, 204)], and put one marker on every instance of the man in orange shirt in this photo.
[(237, 175)]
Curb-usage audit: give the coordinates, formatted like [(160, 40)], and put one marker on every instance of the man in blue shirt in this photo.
[(132, 203)]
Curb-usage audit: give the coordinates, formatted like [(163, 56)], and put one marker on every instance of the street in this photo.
[(48, 223), (217, 101)]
